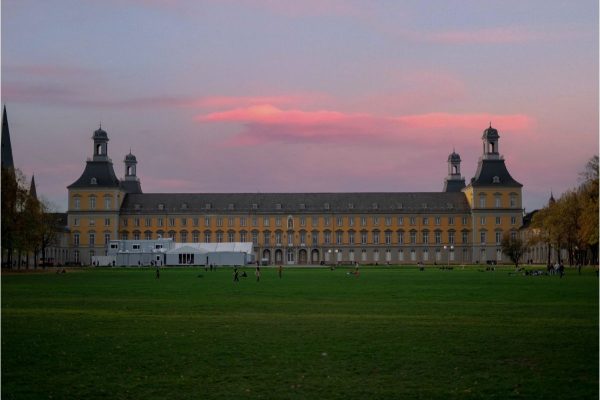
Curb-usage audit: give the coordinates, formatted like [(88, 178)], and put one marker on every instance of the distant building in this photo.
[(461, 224)]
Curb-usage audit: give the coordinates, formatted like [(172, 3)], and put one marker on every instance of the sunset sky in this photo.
[(301, 96)]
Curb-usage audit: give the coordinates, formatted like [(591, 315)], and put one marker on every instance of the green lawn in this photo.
[(315, 334)]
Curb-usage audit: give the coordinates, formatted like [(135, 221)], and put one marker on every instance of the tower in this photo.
[(495, 200), (454, 182), (7, 156), (131, 183), (94, 203)]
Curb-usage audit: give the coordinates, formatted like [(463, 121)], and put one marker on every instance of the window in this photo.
[(339, 221), (497, 201), (400, 237), (219, 237), (375, 220), (230, 221), (388, 221), (278, 238), (172, 235), (75, 221), (219, 221), (425, 237), (76, 239), (148, 235), (183, 221), (450, 220), (326, 206), (207, 237), (255, 238), (438, 237), (267, 238), (315, 221), (231, 206), (136, 221), (254, 206), (351, 237), (255, 221), (136, 235), (290, 237), (327, 237), (438, 220), (159, 221), (77, 202), (206, 221), (513, 235), (465, 237), (231, 237), (513, 220), (114, 246), (107, 203), (278, 206), (242, 221), (92, 203), (161, 206), (195, 221), (464, 220), (388, 237), (92, 222), (425, 221), (266, 221), (451, 237), (513, 201), (339, 236), (302, 237), (363, 237), (482, 237), (400, 255), (148, 221), (106, 238), (498, 237), (482, 201), (208, 206), (92, 239), (327, 221), (363, 221), (243, 237), (482, 220), (315, 237), (277, 221), (135, 246), (303, 221), (124, 235), (413, 220), (413, 237), (350, 221), (183, 235), (171, 221)]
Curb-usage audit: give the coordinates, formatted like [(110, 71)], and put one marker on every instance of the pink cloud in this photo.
[(269, 124)]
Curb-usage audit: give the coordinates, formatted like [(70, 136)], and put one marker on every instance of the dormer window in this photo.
[(230, 206), (184, 206), (425, 205), (375, 206), (400, 206), (278, 206), (208, 206), (351, 206), (161, 206), (496, 179), (254, 206), (326, 206), (449, 206), (302, 206), (137, 207), (93, 181)]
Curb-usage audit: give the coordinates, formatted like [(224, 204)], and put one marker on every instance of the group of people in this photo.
[(236, 273), (556, 269)]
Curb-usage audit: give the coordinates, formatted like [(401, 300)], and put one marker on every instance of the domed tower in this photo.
[(131, 183), (454, 182), (94, 202), (490, 144)]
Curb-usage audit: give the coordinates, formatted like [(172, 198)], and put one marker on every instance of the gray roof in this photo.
[(454, 185), (295, 202), (131, 186), (101, 170), (487, 170)]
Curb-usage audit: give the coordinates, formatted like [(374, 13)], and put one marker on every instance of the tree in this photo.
[(513, 247), (14, 195)]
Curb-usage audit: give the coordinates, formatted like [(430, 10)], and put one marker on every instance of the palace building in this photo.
[(463, 223)]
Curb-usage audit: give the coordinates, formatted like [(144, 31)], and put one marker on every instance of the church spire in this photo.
[(7, 156), (32, 189)]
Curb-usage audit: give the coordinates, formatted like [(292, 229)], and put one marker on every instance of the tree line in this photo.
[(28, 225), (571, 221)]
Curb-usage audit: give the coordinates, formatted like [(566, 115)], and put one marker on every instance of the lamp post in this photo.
[(333, 254), (449, 248)]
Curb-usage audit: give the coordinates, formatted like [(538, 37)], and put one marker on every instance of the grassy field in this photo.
[(314, 334)]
